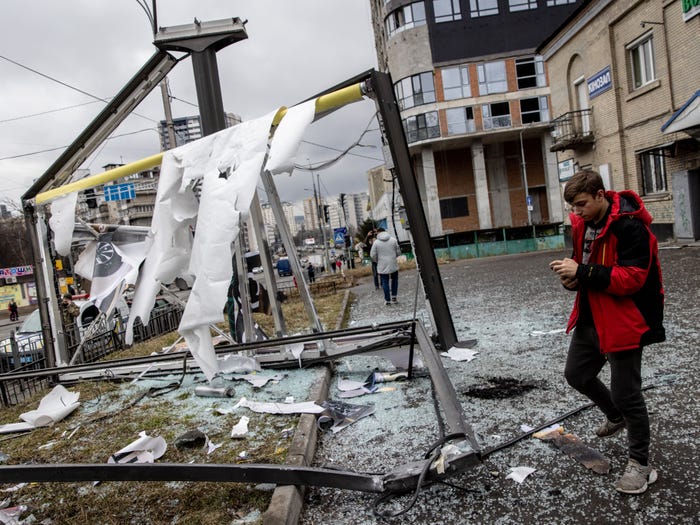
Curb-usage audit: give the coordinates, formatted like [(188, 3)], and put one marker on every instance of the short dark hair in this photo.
[(583, 181), (67, 296)]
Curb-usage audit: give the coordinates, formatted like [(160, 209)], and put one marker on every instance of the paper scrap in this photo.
[(145, 449), (55, 406), (240, 429), (518, 474), (306, 407), (460, 354), (258, 380), (556, 427)]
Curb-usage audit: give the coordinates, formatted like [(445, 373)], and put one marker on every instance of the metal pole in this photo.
[(391, 125), (168, 113), (322, 222), (524, 172)]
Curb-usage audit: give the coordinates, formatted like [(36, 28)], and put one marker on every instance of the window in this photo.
[(492, 77), (641, 58), (415, 90), (552, 3), (653, 171), (406, 17), (446, 10), (460, 120), (530, 72), (422, 127), (455, 82), (483, 7), (534, 110), (496, 115), (454, 207), (522, 5)]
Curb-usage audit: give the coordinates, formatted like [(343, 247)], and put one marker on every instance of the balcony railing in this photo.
[(572, 130)]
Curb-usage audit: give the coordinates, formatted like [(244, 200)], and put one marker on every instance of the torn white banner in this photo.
[(62, 221), (306, 407), (145, 449), (228, 163), (460, 354), (232, 364), (518, 474), (287, 138)]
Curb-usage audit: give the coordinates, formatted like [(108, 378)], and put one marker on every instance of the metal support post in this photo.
[(391, 125), (288, 242), (266, 260)]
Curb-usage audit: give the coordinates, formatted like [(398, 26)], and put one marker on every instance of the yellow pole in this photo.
[(326, 102)]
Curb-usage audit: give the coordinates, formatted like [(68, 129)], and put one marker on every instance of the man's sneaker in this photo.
[(636, 478), (393, 299), (610, 428), (387, 303)]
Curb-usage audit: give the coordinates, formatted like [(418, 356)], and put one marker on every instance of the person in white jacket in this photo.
[(384, 252)]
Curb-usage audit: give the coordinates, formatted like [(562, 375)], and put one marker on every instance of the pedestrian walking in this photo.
[(618, 310), (311, 273), (384, 252), (14, 311), (370, 238)]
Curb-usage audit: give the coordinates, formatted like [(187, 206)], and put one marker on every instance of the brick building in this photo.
[(474, 100), (623, 78)]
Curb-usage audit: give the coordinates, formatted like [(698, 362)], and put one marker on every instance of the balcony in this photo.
[(572, 130)]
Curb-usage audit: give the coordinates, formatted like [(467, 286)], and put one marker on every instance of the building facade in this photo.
[(187, 129), (622, 75), (474, 99)]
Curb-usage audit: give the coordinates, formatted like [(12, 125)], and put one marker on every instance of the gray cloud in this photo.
[(294, 49)]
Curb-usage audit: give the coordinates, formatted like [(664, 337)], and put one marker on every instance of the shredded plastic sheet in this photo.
[(145, 449), (55, 406), (573, 447), (62, 221)]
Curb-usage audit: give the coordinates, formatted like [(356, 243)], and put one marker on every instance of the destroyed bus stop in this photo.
[(202, 48)]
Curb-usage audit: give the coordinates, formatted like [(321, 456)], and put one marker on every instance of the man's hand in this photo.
[(565, 269)]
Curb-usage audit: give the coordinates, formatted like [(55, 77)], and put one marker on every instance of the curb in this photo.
[(288, 500)]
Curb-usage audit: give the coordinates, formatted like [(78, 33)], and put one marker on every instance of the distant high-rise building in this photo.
[(310, 214), (271, 230), (188, 129)]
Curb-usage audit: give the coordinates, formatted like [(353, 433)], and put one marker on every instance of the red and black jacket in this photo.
[(622, 279)]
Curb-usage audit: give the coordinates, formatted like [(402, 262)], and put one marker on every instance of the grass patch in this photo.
[(111, 416)]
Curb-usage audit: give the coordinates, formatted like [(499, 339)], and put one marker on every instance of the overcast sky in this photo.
[(295, 49)]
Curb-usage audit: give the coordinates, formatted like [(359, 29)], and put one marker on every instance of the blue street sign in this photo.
[(339, 235), (120, 192)]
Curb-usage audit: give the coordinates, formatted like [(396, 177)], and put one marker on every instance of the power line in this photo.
[(47, 112), (66, 85), (63, 147)]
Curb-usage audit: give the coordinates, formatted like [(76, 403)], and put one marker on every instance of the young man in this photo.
[(618, 310), (384, 252)]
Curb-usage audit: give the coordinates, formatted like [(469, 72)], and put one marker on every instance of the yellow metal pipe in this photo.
[(326, 102)]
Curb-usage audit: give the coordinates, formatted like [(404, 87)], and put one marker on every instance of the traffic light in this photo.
[(325, 213)]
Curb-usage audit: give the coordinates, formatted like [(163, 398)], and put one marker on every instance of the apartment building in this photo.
[(187, 129), (475, 102), (625, 91)]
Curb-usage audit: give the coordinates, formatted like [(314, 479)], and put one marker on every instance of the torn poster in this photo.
[(55, 406), (306, 407), (337, 415), (145, 449), (228, 165), (109, 263), (258, 380), (573, 447), (350, 388)]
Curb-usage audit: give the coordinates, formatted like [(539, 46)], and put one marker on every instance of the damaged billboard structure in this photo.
[(210, 184)]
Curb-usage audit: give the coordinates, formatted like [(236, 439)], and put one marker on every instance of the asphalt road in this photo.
[(516, 309)]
